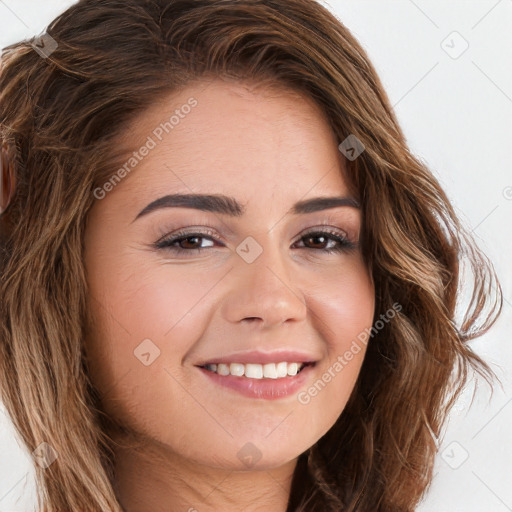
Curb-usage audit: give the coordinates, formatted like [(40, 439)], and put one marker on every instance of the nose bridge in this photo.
[(262, 284)]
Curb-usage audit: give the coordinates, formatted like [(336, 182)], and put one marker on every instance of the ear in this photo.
[(7, 179)]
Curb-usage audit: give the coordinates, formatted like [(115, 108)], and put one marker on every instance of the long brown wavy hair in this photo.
[(61, 114)]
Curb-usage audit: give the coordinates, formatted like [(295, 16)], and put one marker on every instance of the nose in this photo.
[(263, 291)]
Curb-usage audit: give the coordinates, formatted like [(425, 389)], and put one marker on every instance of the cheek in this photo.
[(137, 310), (342, 302), (343, 309), (146, 316)]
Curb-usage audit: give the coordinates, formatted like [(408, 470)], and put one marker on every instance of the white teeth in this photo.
[(257, 371), (254, 371), (222, 369), (293, 368), (269, 371), (282, 369), (236, 369)]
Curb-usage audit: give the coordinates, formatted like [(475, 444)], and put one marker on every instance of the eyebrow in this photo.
[(219, 203)]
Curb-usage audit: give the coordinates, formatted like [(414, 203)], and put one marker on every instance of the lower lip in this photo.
[(268, 389)]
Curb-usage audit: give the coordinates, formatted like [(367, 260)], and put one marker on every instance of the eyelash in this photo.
[(344, 245)]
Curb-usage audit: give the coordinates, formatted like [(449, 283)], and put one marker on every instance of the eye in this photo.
[(183, 242), (338, 241)]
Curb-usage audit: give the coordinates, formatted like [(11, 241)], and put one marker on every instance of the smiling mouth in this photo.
[(258, 371)]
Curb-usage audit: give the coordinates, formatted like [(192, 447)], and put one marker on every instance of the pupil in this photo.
[(317, 238), (196, 238)]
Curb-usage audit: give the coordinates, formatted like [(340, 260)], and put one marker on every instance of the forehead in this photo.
[(224, 135)]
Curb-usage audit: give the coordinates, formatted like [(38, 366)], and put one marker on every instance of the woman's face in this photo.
[(249, 280)]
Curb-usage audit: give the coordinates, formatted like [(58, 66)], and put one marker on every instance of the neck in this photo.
[(155, 479)]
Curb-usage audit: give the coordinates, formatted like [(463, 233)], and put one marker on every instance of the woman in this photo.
[(306, 357)]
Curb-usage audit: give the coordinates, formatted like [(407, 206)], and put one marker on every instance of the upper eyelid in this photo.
[(207, 232), (352, 218)]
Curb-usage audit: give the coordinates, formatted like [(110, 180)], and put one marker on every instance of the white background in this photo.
[(456, 112)]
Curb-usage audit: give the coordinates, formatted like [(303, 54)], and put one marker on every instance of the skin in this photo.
[(267, 148)]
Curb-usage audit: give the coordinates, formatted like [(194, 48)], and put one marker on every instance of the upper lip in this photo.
[(256, 356)]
